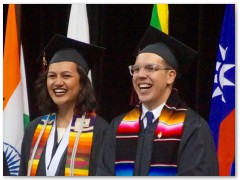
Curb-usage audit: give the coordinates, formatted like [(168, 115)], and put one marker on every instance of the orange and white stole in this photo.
[(78, 140)]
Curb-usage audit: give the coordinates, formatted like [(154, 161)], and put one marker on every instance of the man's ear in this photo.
[(171, 76)]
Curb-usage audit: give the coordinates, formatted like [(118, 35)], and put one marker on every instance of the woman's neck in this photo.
[(64, 117)]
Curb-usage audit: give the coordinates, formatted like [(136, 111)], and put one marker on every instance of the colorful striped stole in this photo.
[(80, 164), (82, 140), (39, 141), (167, 138)]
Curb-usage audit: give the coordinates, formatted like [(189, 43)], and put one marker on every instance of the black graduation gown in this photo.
[(99, 131), (196, 155)]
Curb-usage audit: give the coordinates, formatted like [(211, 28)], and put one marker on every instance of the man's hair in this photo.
[(86, 100)]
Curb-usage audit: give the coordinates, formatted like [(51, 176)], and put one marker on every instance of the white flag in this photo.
[(78, 25)]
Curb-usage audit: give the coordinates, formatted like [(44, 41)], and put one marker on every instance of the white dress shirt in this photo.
[(156, 113)]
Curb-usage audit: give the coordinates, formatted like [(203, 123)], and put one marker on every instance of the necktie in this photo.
[(149, 116)]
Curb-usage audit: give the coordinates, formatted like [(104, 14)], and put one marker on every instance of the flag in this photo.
[(13, 124), (222, 114), (160, 16), (159, 20), (78, 25), (26, 118)]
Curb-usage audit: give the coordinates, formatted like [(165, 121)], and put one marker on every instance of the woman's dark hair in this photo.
[(85, 102)]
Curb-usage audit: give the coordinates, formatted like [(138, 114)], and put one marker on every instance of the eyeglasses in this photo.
[(148, 68)]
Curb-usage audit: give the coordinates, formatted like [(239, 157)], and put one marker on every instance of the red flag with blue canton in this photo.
[(222, 115)]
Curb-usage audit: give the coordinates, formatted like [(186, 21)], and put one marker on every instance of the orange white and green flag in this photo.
[(15, 103)]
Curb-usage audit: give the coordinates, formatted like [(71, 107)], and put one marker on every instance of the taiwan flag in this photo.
[(222, 115)]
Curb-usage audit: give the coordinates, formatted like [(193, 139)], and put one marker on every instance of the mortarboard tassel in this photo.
[(44, 63)]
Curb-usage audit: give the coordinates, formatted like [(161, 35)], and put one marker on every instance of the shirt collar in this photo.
[(156, 112)]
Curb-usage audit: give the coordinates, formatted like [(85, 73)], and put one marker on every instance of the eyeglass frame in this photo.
[(156, 67)]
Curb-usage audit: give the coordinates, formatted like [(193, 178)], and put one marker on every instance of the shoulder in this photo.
[(194, 122), (101, 123), (116, 121), (34, 123), (193, 118), (118, 118), (31, 127)]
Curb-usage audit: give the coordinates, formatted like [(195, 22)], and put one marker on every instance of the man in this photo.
[(161, 136)]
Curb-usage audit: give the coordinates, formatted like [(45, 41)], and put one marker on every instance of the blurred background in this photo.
[(119, 28)]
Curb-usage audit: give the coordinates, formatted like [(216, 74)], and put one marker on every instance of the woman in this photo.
[(67, 141)]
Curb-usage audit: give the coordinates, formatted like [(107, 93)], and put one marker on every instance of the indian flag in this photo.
[(15, 104), (160, 17)]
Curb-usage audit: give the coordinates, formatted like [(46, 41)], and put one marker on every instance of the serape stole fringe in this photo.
[(167, 138), (84, 144)]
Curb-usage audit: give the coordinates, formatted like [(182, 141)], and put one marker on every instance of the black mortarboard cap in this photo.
[(61, 48), (174, 52)]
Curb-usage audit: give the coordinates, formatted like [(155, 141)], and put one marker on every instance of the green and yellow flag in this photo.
[(159, 18)]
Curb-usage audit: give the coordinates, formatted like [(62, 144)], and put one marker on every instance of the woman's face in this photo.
[(63, 83)]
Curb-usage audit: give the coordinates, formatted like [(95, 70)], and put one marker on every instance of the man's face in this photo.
[(153, 86)]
